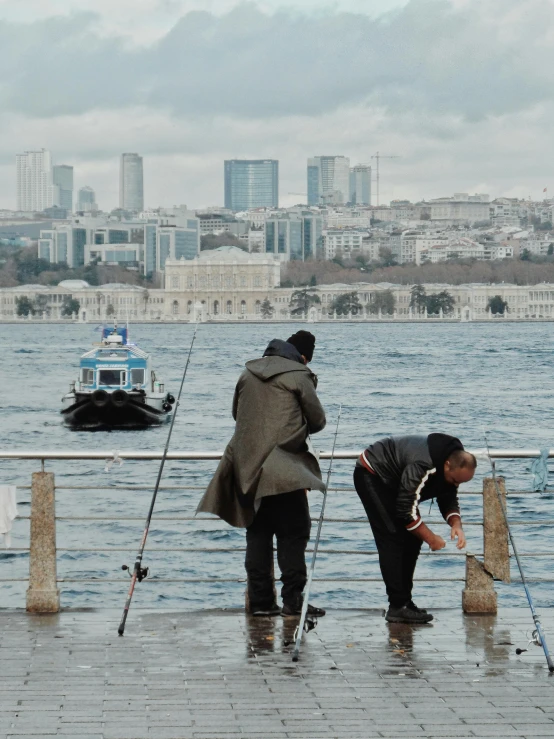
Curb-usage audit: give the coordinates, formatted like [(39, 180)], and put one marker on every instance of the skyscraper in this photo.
[(62, 176), (251, 183), (131, 189), (328, 180), (86, 201), (35, 187), (360, 185)]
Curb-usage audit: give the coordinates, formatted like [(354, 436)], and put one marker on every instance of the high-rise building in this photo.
[(62, 176), (360, 185), (35, 187), (86, 200), (131, 187), (294, 235), (328, 180), (251, 183)]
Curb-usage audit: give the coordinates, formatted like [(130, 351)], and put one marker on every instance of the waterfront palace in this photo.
[(230, 284)]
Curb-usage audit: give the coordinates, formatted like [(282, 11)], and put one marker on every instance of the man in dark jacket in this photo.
[(391, 477), (267, 467)]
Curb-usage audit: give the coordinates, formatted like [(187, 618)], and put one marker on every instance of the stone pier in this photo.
[(43, 595)]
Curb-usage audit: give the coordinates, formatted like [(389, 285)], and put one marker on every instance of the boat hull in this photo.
[(91, 411)]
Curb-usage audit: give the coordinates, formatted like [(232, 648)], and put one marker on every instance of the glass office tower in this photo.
[(251, 183)]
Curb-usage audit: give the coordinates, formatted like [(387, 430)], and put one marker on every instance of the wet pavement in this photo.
[(221, 674)]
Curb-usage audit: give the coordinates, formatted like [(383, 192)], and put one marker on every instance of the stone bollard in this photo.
[(495, 533), (43, 595), (479, 595)]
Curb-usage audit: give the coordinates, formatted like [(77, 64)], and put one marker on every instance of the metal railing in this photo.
[(43, 594)]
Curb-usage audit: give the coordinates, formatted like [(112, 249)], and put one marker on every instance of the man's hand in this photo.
[(457, 532), (436, 542)]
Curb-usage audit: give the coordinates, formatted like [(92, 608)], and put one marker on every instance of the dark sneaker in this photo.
[(273, 610), (413, 606), (296, 610), (407, 615)]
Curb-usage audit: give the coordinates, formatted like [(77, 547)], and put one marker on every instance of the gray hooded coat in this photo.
[(275, 407)]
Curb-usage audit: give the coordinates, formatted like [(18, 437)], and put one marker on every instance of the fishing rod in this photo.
[(538, 637), (311, 623), (140, 572)]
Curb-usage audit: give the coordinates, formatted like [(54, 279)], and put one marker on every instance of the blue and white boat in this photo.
[(117, 387)]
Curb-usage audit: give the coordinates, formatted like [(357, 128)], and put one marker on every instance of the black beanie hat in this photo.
[(304, 341)]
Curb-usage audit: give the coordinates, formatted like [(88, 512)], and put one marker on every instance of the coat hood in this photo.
[(441, 447), (279, 357)]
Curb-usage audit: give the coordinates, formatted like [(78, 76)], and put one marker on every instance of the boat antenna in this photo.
[(538, 637), (140, 572), (308, 623)]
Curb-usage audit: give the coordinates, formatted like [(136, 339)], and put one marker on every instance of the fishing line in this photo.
[(307, 624), (140, 572), (538, 637)]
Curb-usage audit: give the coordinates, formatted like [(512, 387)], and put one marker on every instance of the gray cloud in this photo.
[(483, 58)]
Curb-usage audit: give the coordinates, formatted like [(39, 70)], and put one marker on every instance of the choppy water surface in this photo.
[(390, 379)]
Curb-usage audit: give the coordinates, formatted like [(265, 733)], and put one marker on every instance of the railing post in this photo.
[(479, 595), (495, 533), (43, 595)]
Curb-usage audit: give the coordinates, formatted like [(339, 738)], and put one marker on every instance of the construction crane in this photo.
[(377, 157)]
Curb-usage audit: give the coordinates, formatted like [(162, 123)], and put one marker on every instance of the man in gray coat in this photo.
[(267, 468)]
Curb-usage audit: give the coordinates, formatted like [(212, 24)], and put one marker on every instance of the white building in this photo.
[(347, 218), (343, 242), (126, 255), (461, 208), (227, 282), (131, 185), (35, 186)]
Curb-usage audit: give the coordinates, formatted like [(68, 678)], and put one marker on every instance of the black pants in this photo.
[(398, 549), (287, 516)]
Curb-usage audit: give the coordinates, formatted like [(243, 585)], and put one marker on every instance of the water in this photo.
[(390, 379)]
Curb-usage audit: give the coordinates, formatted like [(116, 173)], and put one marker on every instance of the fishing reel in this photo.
[(535, 640), (310, 623), (142, 572)]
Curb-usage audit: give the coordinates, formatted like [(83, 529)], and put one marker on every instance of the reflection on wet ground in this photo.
[(224, 674)]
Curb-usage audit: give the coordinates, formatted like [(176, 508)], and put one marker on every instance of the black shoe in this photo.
[(296, 610), (273, 610), (407, 615), (413, 606)]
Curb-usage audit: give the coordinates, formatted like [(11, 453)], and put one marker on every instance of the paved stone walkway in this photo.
[(223, 675)]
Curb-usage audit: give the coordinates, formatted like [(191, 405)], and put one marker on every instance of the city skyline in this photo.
[(465, 103)]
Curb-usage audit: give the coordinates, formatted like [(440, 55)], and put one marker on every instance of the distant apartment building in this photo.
[(294, 235), (131, 183), (62, 176), (35, 185), (86, 200), (346, 243), (347, 218), (461, 208), (505, 212), (251, 183), (360, 185), (328, 180)]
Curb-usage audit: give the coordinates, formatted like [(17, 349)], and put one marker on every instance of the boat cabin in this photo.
[(114, 364)]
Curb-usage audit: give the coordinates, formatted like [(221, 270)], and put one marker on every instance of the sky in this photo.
[(460, 91)]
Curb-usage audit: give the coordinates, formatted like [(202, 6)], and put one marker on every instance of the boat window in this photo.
[(137, 377), (87, 376), (111, 377)]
